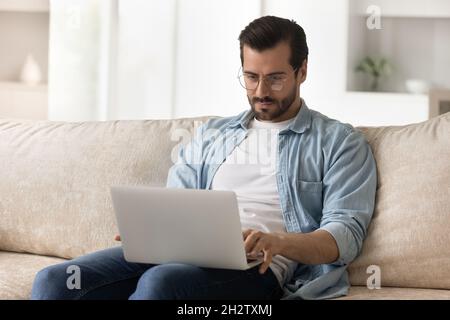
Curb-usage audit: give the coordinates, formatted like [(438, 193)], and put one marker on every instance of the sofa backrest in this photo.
[(409, 235), (55, 178)]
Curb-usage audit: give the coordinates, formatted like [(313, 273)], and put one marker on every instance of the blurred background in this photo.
[(378, 62)]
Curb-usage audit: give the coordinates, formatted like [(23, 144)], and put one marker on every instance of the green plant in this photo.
[(375, 68)]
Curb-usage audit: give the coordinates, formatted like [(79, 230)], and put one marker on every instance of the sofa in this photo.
[(55, 201)]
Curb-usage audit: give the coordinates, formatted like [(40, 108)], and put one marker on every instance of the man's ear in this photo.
[(303, 71)]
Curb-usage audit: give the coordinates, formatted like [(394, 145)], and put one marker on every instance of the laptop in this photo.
[(171, 225)]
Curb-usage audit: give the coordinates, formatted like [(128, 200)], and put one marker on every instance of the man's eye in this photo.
[(251, 77), (277, 78)]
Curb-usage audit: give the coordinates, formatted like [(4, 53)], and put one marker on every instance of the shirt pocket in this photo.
[(309, 186), (310, 201)]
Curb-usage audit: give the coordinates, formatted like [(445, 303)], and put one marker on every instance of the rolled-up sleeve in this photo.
[(349, 186)]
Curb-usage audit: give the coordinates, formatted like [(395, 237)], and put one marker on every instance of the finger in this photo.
[(267, 260), (117, 238), (251, 241), (259, 246), (246, 232)]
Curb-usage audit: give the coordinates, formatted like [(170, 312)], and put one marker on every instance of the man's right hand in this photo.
[(117, 238)]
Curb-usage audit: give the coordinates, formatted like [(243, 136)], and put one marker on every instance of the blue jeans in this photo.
[(107, 275)]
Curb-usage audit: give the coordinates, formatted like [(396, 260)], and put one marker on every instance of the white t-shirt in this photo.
[(250, 171)]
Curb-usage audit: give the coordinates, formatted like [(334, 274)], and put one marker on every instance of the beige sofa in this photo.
[(55, 202)]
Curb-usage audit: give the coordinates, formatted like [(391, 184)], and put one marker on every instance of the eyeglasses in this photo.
[(250, 81)]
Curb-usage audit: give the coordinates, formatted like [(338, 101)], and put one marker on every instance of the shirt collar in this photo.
[(301, 123)]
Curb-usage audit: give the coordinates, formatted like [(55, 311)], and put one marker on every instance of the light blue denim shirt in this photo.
[(326, 178)]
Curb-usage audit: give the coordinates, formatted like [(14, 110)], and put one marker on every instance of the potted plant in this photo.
[(375, 68)]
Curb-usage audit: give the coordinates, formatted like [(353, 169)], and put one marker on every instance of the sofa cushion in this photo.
[(55, 178), (17, 272), (409, 235), (389, 293)]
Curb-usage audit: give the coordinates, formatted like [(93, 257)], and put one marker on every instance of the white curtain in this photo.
[(82, 59)]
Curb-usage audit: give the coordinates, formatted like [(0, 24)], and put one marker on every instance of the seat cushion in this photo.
[(17, 272), (390, 293), (408, 238)]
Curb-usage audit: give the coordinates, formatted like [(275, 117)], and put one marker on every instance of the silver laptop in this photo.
[(198, 227)]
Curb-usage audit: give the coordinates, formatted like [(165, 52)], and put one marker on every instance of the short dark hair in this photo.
[(266, 32)]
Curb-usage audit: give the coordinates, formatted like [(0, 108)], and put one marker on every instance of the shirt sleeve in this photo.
[(186, 171), (349, 187)]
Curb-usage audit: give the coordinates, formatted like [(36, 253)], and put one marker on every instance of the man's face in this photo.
[(266, 103)]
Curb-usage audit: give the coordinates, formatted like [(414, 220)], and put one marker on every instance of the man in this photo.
[(305, 186)]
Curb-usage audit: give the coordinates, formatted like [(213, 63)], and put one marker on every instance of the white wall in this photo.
[(325, 24)]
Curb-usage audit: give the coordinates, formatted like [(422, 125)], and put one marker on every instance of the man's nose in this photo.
[(262, 89)]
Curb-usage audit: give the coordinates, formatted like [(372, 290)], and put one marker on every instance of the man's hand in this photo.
[(256, 241), (117, 238)]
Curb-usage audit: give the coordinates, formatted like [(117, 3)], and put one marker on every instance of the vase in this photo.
[(31, 72)]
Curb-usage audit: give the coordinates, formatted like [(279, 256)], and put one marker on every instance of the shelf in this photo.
[(416, 45), (24, 5), (24, 29), (385, 108), (395, 95), (18, 86), (407, 101), (18, 100), (406, 8)]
